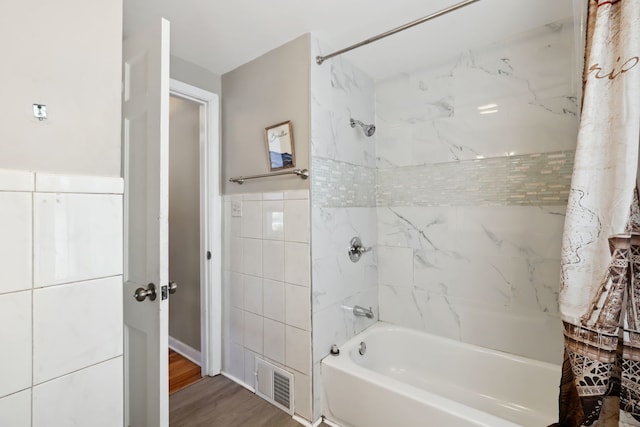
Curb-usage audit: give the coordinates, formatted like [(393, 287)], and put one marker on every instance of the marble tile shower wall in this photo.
[(267, 288), (343, 205), (474, 164), (60, 300)]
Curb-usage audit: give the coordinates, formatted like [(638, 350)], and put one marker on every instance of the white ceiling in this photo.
[(220, 35)]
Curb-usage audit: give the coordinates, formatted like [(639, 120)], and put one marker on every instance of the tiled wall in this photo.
[(60, 300), (523, 180), (513, 97), (343, 205), (339, 184), (474, 160), (441, 192), (267, 287)]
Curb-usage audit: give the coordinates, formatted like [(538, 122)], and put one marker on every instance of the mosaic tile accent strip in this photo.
[(340, 184), (525, 180)]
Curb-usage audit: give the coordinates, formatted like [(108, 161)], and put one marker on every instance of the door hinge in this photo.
[(208, 255)]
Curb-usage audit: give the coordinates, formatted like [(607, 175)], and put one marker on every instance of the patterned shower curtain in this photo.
[(600, 283)]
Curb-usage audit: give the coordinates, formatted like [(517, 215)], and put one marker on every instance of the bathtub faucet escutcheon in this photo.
[(357, 249)]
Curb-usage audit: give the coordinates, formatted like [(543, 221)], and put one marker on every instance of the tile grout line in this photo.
[(84, 368)]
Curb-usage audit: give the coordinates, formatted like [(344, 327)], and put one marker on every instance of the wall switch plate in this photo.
[(40, 111), (236, 208)]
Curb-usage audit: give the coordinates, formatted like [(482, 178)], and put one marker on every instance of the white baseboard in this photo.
[(183, 349), (239, 382)]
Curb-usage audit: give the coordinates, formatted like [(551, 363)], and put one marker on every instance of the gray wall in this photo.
[(66, 55), (268, 90), (195, 75), (184, 221)]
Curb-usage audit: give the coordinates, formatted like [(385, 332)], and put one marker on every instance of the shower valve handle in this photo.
[(356, 249)]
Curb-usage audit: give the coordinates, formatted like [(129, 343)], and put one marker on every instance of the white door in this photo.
[(145, 167)]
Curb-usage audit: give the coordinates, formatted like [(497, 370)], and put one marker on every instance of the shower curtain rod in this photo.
[(321, 59)]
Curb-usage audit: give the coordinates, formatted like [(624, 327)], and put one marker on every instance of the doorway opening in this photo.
[(185, 259), (194, 235)]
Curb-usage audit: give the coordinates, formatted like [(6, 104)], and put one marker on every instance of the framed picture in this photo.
[(280, 146)]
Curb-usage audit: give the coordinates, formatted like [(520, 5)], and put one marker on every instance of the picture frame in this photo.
[(280, 151)]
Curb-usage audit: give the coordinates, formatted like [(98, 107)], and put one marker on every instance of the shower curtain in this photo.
[(600, 283)]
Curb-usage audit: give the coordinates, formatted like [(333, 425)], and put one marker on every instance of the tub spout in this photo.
[(363, 312)]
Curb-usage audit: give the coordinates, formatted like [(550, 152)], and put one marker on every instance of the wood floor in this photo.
[(182, 372), (218, 401)]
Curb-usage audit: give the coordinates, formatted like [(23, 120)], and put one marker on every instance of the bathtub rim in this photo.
[(346, 364), (354, 342)]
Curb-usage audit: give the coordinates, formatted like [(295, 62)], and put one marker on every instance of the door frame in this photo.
[(210, 224)]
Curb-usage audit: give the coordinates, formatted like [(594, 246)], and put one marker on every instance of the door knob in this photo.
[(173, 287), (141, 293)]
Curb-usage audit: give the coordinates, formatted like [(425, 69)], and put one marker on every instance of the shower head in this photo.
[(367, 129)]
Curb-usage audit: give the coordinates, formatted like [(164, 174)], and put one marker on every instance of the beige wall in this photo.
[(194, 75), (66, 54), (268, 90), (184, 221)]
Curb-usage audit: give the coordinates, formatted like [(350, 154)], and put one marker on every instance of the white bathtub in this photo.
[(410, 378)]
